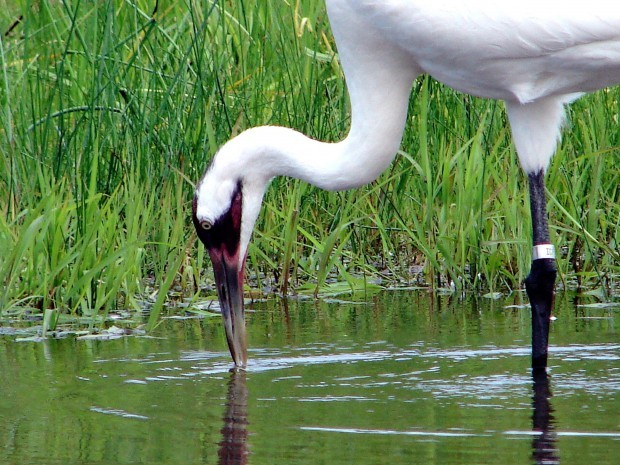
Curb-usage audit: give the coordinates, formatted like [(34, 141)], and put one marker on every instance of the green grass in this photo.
[(110, 110)]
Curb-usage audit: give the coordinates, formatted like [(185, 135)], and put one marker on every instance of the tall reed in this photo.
[(110, 110)]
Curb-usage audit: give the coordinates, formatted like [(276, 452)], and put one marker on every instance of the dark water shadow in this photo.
[(233, 448), (544, 444)]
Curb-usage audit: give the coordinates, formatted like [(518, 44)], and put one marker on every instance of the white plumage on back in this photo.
[(535, 55), (508, 50)]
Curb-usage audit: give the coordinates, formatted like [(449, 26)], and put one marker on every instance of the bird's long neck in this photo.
[(379, 78), (378, 121)]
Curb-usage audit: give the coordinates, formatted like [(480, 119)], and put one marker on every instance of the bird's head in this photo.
[(226, 204)]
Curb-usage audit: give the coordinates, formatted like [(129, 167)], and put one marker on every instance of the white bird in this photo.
[(536, 56)]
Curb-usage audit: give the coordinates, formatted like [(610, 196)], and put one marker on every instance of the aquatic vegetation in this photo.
[(109, 111)]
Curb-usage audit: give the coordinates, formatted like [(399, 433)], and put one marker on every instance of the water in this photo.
[(403, 379)]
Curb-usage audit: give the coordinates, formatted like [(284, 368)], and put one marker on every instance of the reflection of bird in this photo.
[(234, 444), (536, 56)]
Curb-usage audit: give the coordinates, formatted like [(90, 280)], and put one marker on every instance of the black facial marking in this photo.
[(225, 232)]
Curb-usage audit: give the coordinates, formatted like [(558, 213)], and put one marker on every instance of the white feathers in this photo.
[(213, 198), (535, 55), (510, 50), (536, 131)]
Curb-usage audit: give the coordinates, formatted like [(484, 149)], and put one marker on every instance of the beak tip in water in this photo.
[(229, 281)]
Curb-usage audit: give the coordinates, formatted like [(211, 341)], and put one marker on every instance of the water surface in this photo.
[(403, 379)]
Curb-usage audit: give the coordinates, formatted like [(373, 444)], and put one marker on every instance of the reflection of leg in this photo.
[(541, 280), (544, 447)]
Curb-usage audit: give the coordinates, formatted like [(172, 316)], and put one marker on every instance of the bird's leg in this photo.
[(540, 282)]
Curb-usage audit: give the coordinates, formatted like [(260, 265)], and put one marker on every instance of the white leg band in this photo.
[(543, 251)]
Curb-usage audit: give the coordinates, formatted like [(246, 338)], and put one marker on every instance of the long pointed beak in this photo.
[(229, 281)]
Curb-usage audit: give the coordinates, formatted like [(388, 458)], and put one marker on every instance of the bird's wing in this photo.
[(502, 49)]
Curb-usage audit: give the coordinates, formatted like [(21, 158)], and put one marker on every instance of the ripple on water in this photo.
[(118, 413), (438, 434), (481, 390)]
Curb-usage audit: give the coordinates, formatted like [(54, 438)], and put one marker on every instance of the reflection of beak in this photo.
[(229, 282), (234, 444)]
